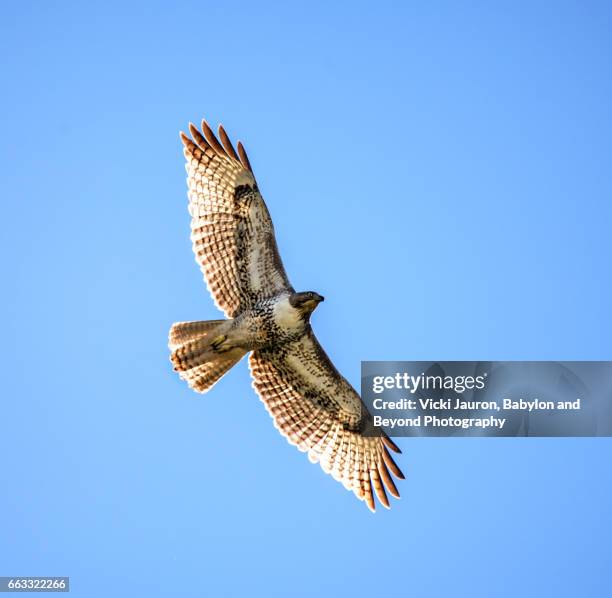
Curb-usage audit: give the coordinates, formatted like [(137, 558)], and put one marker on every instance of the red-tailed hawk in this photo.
[(311, 404)]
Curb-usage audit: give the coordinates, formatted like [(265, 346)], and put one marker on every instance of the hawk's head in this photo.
[(305, 302)]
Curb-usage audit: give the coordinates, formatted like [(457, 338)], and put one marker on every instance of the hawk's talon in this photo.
[(218, 341)]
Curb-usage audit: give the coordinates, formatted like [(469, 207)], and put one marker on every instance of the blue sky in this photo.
[(440, 172)]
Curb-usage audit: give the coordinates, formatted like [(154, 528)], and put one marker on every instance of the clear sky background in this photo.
[(439, 171)]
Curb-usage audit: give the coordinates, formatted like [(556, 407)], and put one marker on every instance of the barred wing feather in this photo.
[(231, 230), (318, 411)]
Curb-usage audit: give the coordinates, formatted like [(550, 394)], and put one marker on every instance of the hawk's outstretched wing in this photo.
[(231, 230), (318, 411)]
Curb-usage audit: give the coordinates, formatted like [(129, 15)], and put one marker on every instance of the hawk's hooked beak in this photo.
[(305, 302), (312, 303), (315, 301)]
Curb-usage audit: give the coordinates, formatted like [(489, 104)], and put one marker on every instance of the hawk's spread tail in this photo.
[(198, 352)]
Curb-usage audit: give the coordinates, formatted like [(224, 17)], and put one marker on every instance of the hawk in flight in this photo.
[(311, 404)]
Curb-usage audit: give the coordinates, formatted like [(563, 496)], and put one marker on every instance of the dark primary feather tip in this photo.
[(191, 149), (379, 488), (197, 136), (388, 480), (243, 157), (390, 463), (206, 128), (391, 444), (210, 137), (227, 144)]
